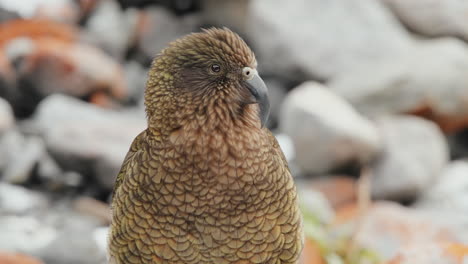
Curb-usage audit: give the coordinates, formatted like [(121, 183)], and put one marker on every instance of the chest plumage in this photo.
[(206, 182)]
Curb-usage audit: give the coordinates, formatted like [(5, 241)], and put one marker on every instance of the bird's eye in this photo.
[(215, 68)]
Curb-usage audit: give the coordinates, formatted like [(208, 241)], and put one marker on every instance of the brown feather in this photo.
[(204, 183)]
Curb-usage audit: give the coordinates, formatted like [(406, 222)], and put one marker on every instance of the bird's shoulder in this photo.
[(138, 146)]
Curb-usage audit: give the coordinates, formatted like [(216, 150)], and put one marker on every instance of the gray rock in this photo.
[(23, 161), (6, 15), (326, 131), (81, 249), (450, 191), (432, 18), (19, 155), (276, 93), (135, 76), (415, 152), (48, 169), (101, 236), (63, 11), (323, 38), (10, 143), (25, 234), (77, 69), (112, 28), (56, 234), (286, 145), (86, 138), (431, 75), (17, 200), (7, 120), (164, 27), (25, 9)]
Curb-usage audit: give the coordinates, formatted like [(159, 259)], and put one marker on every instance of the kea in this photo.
[(206, 182)]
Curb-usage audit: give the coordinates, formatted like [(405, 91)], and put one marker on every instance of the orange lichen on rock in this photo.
[(76, 64), (311, 253), (340, 191), (448, 123), (54, 60), (16, 258), (458, 251), (35, 29)]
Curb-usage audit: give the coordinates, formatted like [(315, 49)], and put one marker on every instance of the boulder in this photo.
[(415, 152), (25, 234), (85, 138), (17, 200), (46, 57), (19, 155), (7, 119), (322, 39), (82, 249), (112, 28), (450, 191), (429, 81), (326, 131), (432, 18)]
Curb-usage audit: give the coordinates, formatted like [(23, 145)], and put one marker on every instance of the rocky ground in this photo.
[(362, 87)]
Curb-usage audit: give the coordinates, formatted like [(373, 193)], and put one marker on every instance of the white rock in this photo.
[(450, 191), (24, 234), (135, 77), (433, 18), (327, 132), (287, 146), (415, 152), (23, 160), (101, 236), (431, 75), (7, 120), (74, 242), (112, 28), (19, 155), (19, 200), (18, 47), (63, 11), (323, 38), (49, 170), (27, 8), (82, 136)]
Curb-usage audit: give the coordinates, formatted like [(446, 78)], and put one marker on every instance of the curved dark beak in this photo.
[(259, 92)]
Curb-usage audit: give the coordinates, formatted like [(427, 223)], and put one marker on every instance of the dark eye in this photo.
[(215, 68)]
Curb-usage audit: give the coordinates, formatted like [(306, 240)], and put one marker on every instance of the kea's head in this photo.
[(209, 76)]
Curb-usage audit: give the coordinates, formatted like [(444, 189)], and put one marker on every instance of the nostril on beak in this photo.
[(248, 73)]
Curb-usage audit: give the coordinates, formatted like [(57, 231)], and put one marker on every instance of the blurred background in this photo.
[(369, 102)]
